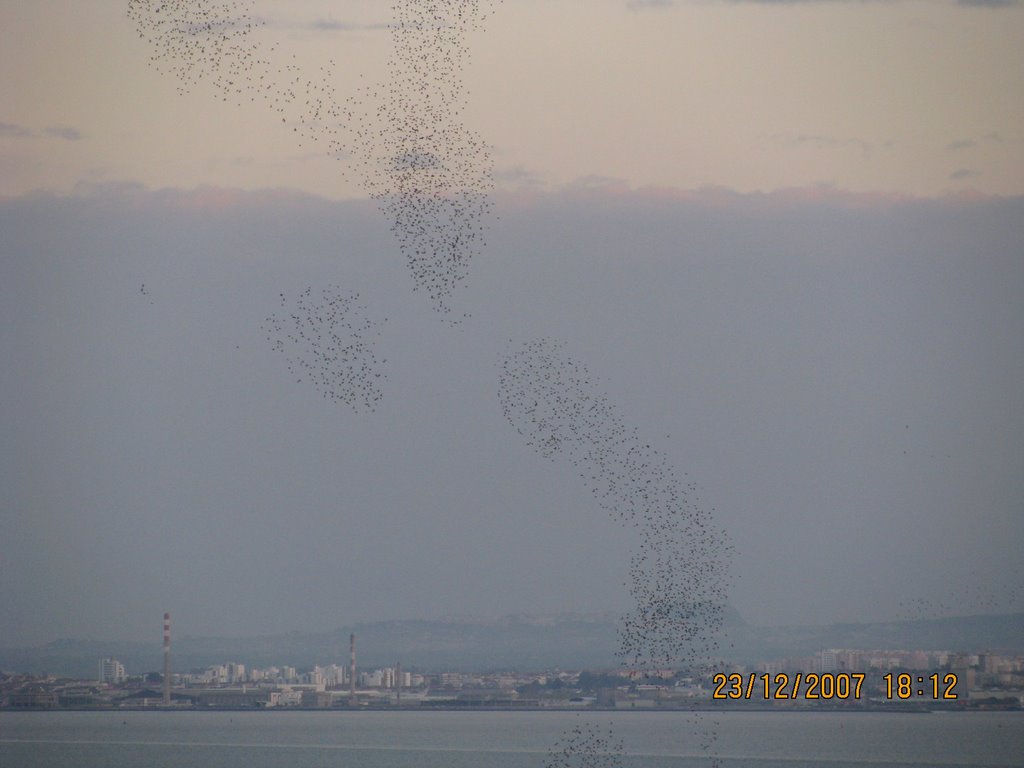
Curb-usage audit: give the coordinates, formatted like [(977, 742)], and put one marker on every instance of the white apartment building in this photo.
[(111, 671)]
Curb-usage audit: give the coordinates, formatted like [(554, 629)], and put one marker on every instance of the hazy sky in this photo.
[(787, 236), (899, 97)]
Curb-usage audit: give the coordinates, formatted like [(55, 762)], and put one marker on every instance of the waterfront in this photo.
[(506, 739)]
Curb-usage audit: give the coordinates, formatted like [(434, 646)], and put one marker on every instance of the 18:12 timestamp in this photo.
[(906, 686)]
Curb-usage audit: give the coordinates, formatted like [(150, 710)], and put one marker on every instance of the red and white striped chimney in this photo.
[(167, 659)]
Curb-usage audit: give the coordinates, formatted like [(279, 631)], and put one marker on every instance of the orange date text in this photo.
[(798, 685)]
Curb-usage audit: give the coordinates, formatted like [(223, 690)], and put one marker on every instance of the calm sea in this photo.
[(505, 739)]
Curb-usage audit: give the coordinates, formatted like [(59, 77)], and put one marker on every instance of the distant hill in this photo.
[(510, 642), (522, 642), (1002, 633)]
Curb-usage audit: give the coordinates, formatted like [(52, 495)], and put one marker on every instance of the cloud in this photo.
[(805, 2), (330, 25), (775, 336), (970, 143), (14, 131), (642, 5), (333, 25), (963, 173), (322, 24), (962, 144), (65, 132), (965, 3), (517, 176), (817, 141), (988, 3), (413, 160), (597, 183)]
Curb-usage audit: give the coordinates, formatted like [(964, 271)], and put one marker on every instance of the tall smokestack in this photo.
[(352, 669), (167, 659)]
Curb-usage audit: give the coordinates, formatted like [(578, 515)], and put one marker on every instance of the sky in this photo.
[(785, 236)]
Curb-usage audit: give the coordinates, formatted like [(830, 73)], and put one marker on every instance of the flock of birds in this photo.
[(584, 746), (215, 43), (328, 339), (407, 144), (678, 575), (970, 598), (211, 42), (414, 154), (404, 139)]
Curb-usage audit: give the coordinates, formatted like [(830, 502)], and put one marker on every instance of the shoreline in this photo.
[(893, 709)]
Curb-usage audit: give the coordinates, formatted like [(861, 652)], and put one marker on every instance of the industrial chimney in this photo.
[(352, 670), (167, 659)]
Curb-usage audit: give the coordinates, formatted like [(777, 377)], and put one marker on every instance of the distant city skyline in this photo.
[(829, 677)]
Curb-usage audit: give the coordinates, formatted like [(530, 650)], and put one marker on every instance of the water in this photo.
[(503, 739)]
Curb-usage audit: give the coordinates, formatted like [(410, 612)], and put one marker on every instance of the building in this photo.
[(111, 671)]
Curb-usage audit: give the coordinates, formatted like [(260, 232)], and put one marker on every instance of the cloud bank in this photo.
[(838, 373)]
